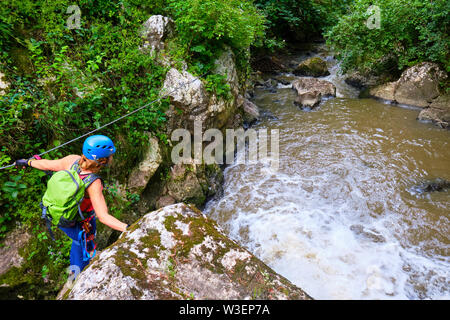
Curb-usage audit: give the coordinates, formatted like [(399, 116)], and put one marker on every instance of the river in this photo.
[(341, 218)]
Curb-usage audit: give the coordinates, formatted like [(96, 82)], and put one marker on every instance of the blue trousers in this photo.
[(76, 251)]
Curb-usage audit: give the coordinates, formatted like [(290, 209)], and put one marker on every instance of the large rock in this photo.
[(143, 172), (417, 86), (251, 110), (155, 31), (311, 91), (313, 67), (438, 112), (178, 253), (190, 102)]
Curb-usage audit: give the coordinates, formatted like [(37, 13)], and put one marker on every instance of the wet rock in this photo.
[(431, 186), (362, 80), (362, 232), (251, 111), (438, 112), (311, 91), (178, 253), (313, 67), (269, 84), (143, 172)]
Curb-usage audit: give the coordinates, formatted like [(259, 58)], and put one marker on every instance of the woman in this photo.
[(98, 151)]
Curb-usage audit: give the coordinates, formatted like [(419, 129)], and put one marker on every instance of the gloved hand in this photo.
[(22, 163)]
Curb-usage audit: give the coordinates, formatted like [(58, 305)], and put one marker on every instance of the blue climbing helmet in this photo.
[(98, 146)]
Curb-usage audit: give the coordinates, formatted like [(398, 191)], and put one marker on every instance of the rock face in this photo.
[(192, 183), (155, 31), (142, 173), (184, 184), (313, 67), (191, 102), (178, 253), (225, 66), (9, 250), (417, 86), (311, 91)]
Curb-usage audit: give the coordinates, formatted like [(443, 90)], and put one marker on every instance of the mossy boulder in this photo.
[(313, 67), (177, 252)]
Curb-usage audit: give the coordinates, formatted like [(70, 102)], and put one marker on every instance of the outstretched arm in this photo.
[(101, 209), (54, 165)]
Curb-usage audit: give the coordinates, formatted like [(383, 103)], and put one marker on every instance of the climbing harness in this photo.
[(118, 119), (86, 239)]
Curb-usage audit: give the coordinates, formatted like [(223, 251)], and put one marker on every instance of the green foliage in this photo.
[(411, 32), (77, 80), (217, 84), (205, 26)]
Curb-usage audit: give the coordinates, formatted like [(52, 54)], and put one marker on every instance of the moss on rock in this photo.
[(178, 253)]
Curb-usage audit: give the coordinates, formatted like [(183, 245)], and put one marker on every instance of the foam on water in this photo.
[(336, 218)]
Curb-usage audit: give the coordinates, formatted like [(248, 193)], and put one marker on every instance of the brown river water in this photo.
[(341, 218)]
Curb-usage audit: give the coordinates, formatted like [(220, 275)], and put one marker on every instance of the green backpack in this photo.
[(65, 192)]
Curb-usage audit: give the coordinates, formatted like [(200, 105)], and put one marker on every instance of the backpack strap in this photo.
[(76, 166), (89, 179)]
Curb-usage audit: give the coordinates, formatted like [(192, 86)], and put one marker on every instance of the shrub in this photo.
[(204, 26), (410, 32)]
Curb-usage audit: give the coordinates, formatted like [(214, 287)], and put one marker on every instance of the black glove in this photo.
[(22, 163)]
